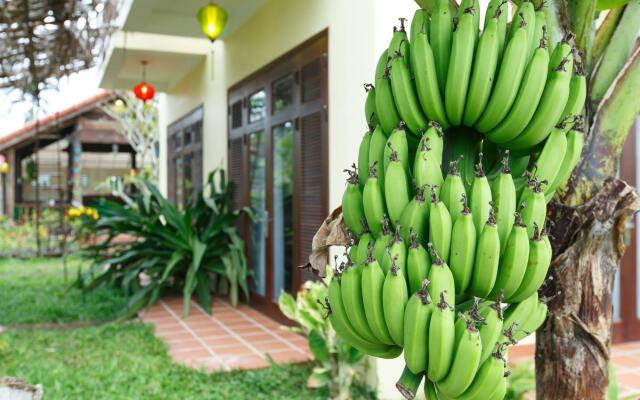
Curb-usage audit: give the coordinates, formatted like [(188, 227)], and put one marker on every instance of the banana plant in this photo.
[(189, 251)]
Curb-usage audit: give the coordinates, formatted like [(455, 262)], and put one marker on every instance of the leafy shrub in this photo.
[(148, 245), (341, 367)]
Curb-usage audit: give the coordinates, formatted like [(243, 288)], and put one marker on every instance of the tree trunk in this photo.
[(572, 347)]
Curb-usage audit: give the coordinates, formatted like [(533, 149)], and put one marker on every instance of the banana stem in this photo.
[(408, 383)]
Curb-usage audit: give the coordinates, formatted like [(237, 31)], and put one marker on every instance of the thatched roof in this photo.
[(44, 40)]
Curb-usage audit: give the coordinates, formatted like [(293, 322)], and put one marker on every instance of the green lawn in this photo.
[(34, 291), (112, 361)]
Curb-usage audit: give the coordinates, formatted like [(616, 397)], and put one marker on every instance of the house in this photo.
[(277, 100)]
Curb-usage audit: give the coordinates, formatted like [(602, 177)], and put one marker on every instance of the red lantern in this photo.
[(143, 90)]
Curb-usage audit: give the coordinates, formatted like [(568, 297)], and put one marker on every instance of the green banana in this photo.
[(462, 9), (575, 142), (435, 137), (394, 299), (441, 278), (370, 105), (540, 33), (441, 340), (372, 283), (513, 264), (386, 110), (397, 250), (381, 66), (452, 191), (399, 40), (373, 201), (526, 14), (498, 7), (527, 99), (500, 390), (506, 88), (383, 241), (423, 65), (404, 94), (463, 250), (362, 249), (441, 32), (537, 266), (419, 23), (418, 264), (376, 153), (352, 209), (577, 97), (550, 158), (351, 287), (503, 194), (535, 205), (409, 382), (417, 317), (462, 49), (340, 322), (430, 391), (484, 69), (535, 320), (415, 217), (426, 171), (549, 110), (480, 198), (489, 319), (467, 351), (439, 226), (516, 314), (488, 376), (399, 142), (396, 188), (485, 266), (363, 158)]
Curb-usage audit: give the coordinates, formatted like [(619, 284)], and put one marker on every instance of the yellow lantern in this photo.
[(4, 167), (212, 20)]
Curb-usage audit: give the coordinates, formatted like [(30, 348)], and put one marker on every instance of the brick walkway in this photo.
[(625, 357), (230, 338)]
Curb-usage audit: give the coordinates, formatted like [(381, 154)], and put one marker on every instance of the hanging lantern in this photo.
[(143, 90), (212, 20)]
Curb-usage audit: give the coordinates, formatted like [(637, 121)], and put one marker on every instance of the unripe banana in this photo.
[(466, 359), (540, 32), (417, 317), (513, 262), (373, 202), (415, 217), (509, 76), (409, 382), (526, 101), (352, 209), (537, 266), (340, 322), (535, 205), (549, 110), (419, 23), (452, 191), (386, 110), (485, 266), (370, 105), (500, 390), (489, 320), (498, 7), (488, 376), (435, 137), (439, 226), (526, 12), (535, 320), (462, 48), (383, 241), (399, 41), (462, 9), (484, 69), (550, 158), (397, 250), (577, 97), (575, 142), (381, 66), (426, 167), (372, 284), (441, 30), (376, 153), (396, 188), (418, 264), (426, 80), (441, 278), (516, 314), (363, 158), (404, 94), (430, 391), (351, 287), (394, 297), (463, 250), (503, 194), (362, 249), (441, 340), (397, 141), (480, 198)]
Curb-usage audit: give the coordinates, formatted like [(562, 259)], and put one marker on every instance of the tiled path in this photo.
[(625, 357), (230, 338)]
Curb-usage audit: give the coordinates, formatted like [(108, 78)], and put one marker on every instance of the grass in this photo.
[(35, 291), (125, 361)]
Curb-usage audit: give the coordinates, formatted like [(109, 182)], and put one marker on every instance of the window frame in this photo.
[(193, 123)]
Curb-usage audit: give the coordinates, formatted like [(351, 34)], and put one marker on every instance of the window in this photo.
[(185, 158)]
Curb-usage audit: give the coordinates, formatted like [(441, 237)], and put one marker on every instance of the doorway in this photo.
[(278, 163)]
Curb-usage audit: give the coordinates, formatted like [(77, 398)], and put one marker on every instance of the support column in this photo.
[(75, 165), (11, 186)]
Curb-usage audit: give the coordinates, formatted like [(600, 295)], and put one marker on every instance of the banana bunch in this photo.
[(471, 134)]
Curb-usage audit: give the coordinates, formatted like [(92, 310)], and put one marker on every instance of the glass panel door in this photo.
[(258, 203), (283, 180)]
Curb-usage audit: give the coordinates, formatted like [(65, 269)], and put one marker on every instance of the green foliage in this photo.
[(340, 367), (125, 361), (38, 291), (19, 239), (191, 250), (521, 381)]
